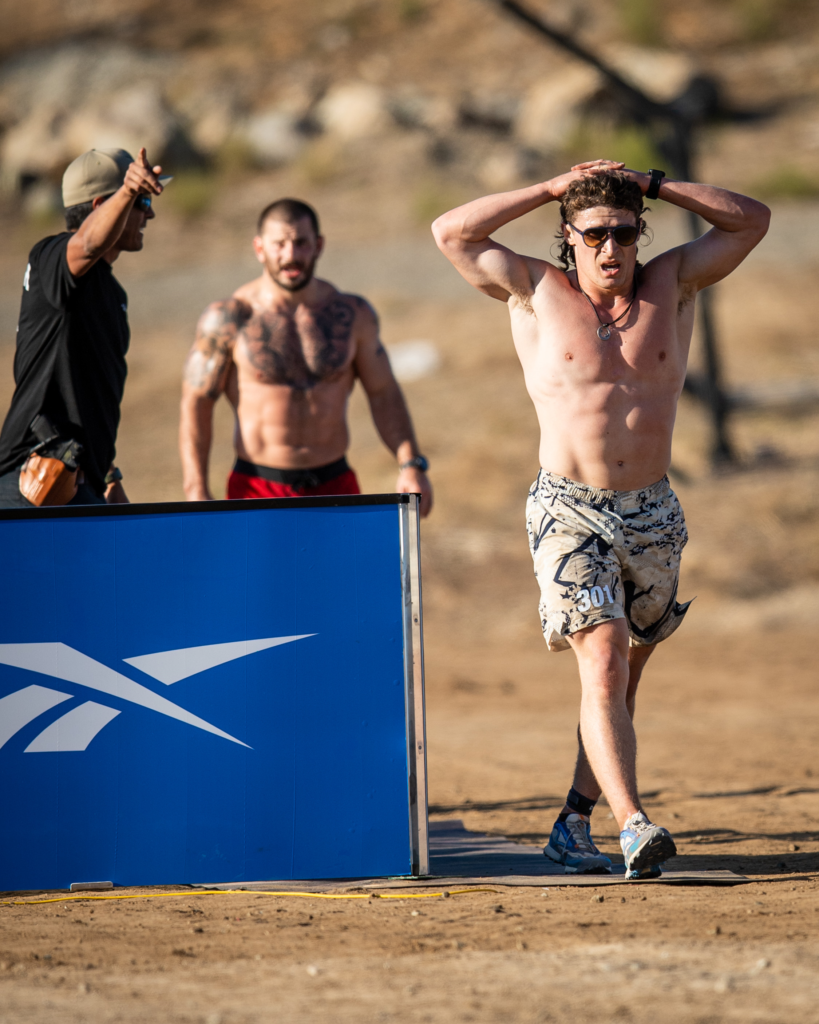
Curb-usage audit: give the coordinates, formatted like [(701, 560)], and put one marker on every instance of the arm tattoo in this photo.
[(209, 358), (379, 345)]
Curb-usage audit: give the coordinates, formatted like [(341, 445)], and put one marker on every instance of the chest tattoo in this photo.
[(300, 349)]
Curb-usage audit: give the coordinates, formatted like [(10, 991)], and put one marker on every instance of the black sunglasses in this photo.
[(623, 234), (144, 203)]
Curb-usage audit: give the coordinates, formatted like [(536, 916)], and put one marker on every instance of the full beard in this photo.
[(299, 283)]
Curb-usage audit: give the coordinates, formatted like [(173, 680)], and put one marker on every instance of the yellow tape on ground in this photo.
[(253, 892)]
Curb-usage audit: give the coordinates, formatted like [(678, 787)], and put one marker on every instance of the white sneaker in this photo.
[(570, 844), (645, 847)]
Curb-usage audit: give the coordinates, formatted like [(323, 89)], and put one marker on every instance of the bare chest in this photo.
[(301, 348), (560, 346)]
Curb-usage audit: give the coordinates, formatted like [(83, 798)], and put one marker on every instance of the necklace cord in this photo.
[(611, 323)]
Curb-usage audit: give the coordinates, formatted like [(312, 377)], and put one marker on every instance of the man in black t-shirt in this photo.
[(72, 336)]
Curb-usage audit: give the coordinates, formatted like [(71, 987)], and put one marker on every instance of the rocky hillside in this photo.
[(432, 91)]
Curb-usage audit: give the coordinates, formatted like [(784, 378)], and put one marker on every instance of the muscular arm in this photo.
[(101, 229), (388, 406), (738, 224), (462, 235), (206, 371)]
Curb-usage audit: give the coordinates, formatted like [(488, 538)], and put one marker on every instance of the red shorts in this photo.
[(241, 486)]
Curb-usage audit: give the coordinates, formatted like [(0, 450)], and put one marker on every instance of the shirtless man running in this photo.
[(604, 348), (286, 349)]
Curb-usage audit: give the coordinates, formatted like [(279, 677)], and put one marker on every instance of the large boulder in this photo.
[(273, 136), (353, 110), (489, 109), (129, 118), (506, 168), (211, 125), (412, 108), (552, 108), (36, 147), (59, 102), (660, 74), (75, 75)]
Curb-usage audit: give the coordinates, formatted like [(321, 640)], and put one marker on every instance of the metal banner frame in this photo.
[(414, 685), (407, 523)]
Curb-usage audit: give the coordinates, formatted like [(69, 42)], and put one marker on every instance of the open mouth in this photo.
[(292, 271), (610, 268)]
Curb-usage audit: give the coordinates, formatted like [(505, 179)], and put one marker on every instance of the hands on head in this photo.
[(598, 166), (562, 182), (642, 178), (141, 178)]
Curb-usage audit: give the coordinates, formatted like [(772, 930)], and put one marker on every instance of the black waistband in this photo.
[(294, 477)]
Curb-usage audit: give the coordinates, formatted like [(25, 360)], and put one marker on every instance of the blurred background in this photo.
[(383, 114)]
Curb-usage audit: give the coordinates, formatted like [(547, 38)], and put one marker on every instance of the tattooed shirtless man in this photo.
[(603, 344), (286, 350)]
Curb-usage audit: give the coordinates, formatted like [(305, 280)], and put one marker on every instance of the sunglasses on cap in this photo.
[(623, 234)]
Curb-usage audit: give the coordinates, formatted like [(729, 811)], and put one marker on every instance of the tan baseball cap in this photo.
[(99, 172)]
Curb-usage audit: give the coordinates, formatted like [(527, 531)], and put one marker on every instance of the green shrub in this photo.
[(321, 162), (787, 182), (191, 193), (430, 200), (630, 144), (758, 17), (235, 156), (642, 21), (411, 10)]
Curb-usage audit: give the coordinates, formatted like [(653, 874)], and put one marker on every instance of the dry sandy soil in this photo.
[(727, 719), (725, 763)]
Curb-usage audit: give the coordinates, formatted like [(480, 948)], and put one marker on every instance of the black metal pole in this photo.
[(678, 146), (722, 453), (640, 102)]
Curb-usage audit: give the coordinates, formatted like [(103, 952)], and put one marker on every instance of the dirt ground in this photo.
[(725, 763), (727, 717)]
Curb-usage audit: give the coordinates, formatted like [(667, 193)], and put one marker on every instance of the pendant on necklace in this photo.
[(603, 333)]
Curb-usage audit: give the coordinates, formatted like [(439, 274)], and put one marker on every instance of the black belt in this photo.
[(294, 477)]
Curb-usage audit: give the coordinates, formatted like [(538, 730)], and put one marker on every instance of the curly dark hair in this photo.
[(611, 188)]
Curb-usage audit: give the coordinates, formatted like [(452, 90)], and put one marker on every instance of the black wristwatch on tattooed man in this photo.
[(419, 462)]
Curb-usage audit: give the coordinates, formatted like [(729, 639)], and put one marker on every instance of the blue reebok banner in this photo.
[(214, 692)]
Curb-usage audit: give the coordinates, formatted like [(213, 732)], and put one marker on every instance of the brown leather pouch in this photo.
[(46, 481)]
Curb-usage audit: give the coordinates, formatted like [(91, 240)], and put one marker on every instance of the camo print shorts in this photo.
[(602, 555)]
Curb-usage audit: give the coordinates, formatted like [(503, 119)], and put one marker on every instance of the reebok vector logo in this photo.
[(75, 729)]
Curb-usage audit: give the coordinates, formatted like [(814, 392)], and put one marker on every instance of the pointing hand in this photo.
[(141, 178)]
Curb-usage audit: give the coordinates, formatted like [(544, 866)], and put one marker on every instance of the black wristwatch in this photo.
[(419, 462), (653, 190), (113, 476)]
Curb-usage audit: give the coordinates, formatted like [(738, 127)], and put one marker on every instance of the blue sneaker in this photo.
[(652, 872), (645, 847), (570, 844)]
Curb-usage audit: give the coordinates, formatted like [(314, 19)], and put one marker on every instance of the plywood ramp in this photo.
[(459, 857)]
